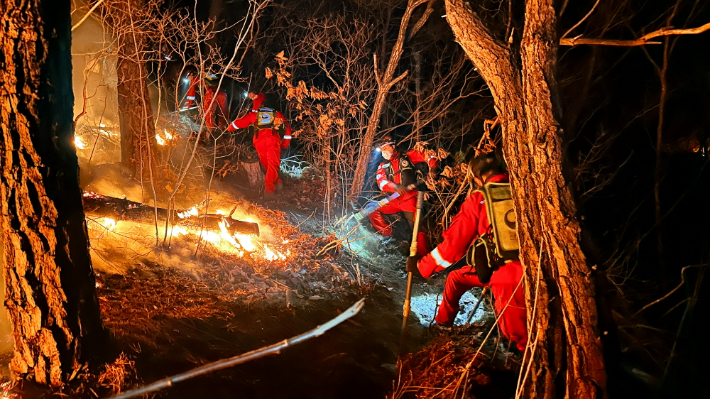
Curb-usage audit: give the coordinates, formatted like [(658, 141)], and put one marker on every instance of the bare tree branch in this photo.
[(423, 19), (641, 41), (398, 78), (274, 349)]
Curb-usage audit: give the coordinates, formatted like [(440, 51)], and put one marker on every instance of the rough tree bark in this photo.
[(384, 85), (135, 112), (50, 288), (562, 314)]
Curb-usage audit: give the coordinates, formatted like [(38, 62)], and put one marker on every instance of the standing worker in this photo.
[(397, 174), (267, 140), (214, 103), (470, 223)]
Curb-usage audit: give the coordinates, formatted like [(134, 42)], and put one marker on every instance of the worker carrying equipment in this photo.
[(472, 222), (500, 243), (267, 140)]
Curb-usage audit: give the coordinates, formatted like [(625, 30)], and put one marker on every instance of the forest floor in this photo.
[(177, 302), (175, 309)]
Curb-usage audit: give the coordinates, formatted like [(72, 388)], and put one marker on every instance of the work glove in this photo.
[(400, 189), (284, 153), (412, 264)]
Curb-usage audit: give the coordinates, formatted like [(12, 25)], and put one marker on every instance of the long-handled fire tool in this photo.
[(411, 265)]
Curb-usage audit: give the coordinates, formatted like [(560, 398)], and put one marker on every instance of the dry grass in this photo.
[(441, 369), (115, 374)]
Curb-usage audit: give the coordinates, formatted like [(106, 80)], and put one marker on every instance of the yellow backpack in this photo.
[(500, 244)]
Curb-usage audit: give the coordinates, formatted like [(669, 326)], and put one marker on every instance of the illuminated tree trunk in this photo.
[(567, 352), (135, 112), (50, 294)]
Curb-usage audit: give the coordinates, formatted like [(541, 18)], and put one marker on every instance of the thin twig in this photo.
[(580, 21), (682, 282), (98, 3)]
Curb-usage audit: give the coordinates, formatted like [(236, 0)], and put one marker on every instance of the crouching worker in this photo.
[(505, 282), (399, 174)]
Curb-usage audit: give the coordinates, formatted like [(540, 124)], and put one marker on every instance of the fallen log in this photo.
[(123, 209)]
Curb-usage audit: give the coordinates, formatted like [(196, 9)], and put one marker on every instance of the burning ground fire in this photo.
[(236, 244)]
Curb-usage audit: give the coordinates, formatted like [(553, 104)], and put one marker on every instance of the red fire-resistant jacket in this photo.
[(251, 118), (191, 91), (467, 225), (390, 185), (209, 107)]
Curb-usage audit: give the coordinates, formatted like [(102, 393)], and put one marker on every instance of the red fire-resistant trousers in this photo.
[(408, 205), (508, 295), (268, 146)]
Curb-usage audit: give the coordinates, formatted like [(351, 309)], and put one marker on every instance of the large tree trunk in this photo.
[(135, 112), (559, 289), (50, 293)]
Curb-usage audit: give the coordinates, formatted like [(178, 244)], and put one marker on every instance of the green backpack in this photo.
[(500, 244)]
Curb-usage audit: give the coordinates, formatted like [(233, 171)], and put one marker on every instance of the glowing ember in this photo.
[(109, 224), (211, 236), (168, 135), (79, 143), (238, 244), (159, 139)]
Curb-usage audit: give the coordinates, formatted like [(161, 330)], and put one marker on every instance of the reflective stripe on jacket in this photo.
[(467, 225)]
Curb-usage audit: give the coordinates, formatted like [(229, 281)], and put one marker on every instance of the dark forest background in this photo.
[(638, 158)]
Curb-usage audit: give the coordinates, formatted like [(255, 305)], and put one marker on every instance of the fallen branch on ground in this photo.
[(274, 349)]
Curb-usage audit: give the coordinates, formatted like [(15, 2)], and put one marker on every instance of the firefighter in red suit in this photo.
[(267, 141), (214, 103), (389, 179), (505, 283)]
